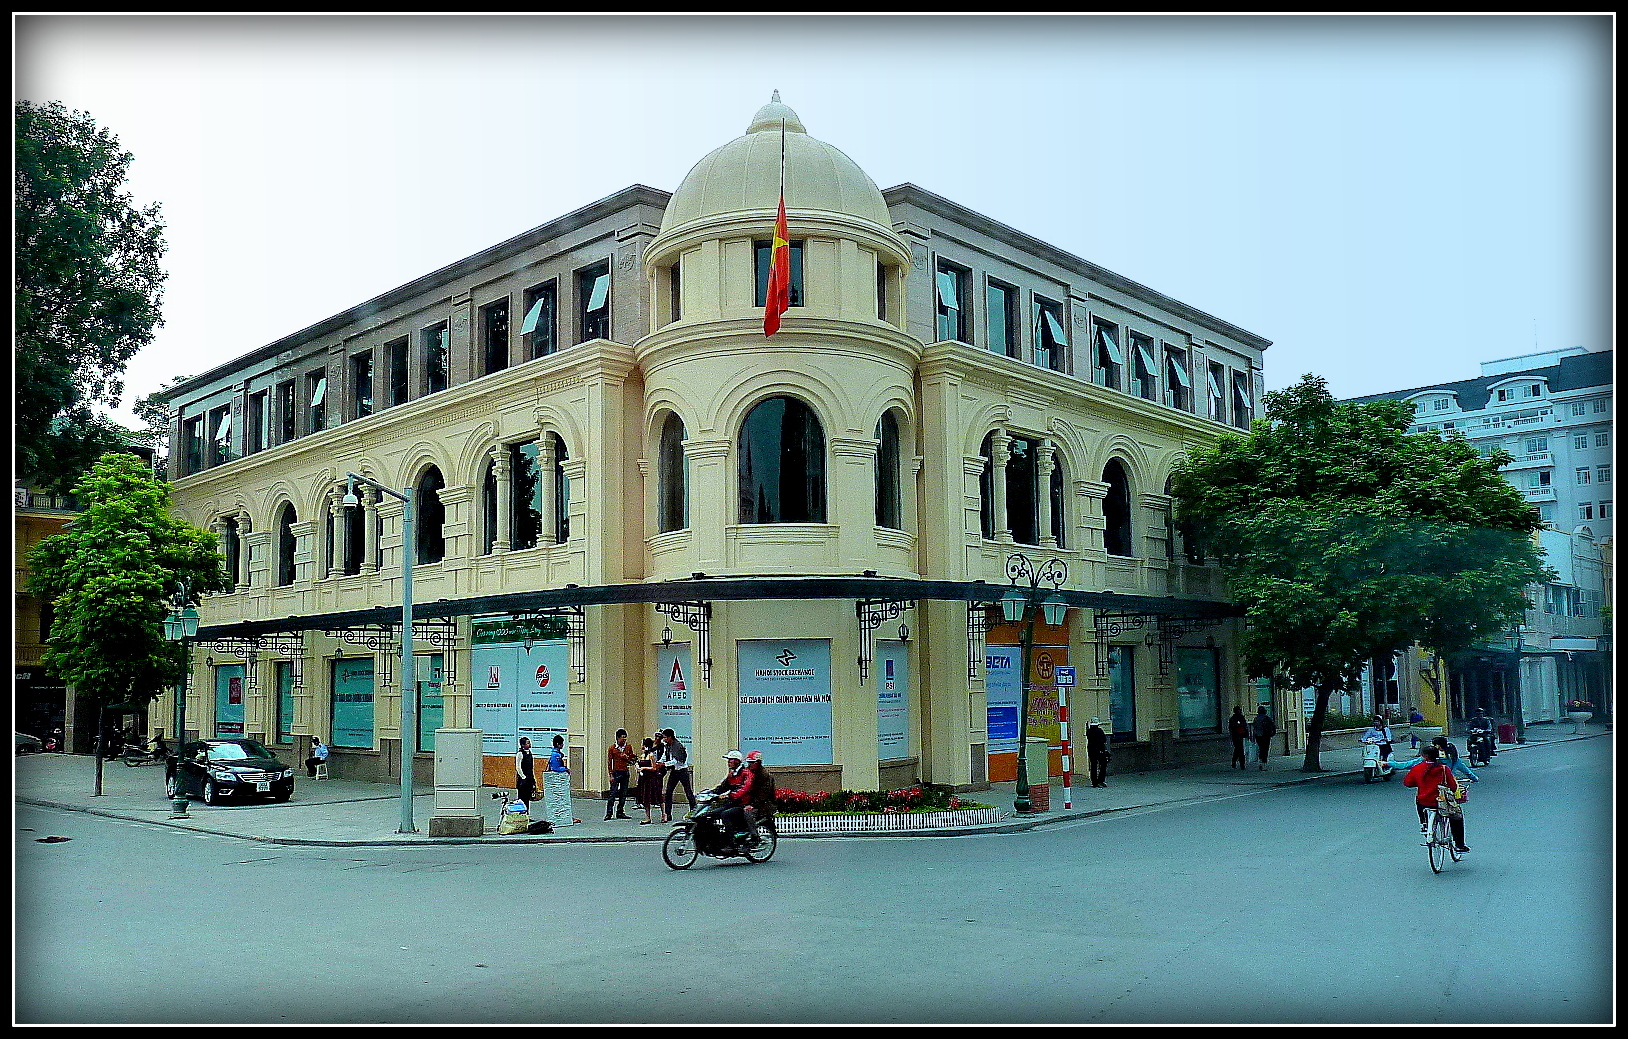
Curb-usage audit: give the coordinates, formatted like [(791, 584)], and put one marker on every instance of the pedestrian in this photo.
[(319, 754), (1414, 718), (525, 780), (1096, 752), (619, 758), (1238, 729), (557, 786), (649, 789), (1263, 728), (676, 761)]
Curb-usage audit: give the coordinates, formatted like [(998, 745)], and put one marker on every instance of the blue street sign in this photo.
[(1064, 674)]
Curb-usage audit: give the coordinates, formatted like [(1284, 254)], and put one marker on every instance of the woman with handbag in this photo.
[(1437, 788)]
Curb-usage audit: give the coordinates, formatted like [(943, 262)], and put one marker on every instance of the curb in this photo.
[(494, 839)]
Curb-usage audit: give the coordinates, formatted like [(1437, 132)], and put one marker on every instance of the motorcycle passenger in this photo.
[(761, 808), (1449, 755), (736, 792), (1379, 732)]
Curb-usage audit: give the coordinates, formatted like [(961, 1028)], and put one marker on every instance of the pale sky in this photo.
[(1390, 200)]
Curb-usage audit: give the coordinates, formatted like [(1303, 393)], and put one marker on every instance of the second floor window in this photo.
[(1050, 340), (1000, 302), (1240, 400), (395, 354), (257, 418), (316, 384), (494, 325), (537, 328), (220, 436), (593, 302), (434, 344), (1178, 384), (1218, 397), (192, 434), (1109, 360), (361, 379), (951, 284), (1143, 370)]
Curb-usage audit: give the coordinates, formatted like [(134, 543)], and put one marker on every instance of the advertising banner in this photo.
[(1001, 665), (229, 701), (673, 680), (493, 710), (785, 700), (519, 693), (285, 701), (353, 703), (431, 708), (892, 701)]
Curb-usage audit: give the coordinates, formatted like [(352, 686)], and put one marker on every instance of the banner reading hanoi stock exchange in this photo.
[(785, 700)]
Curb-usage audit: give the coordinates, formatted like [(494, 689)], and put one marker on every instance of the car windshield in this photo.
[(237, 750)]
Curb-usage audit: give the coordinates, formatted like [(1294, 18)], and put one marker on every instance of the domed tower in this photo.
[(785, 453)]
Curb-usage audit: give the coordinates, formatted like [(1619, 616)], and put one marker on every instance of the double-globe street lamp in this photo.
[(181, 626), (408, 725), (1027, 605)]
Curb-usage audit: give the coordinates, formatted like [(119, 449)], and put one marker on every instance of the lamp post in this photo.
[(408, 728), (181, 626), (1026, 605)]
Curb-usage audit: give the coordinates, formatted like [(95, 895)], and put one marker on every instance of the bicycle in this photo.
[(1440, 846)]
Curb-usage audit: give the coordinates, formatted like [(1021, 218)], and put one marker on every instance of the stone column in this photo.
[(1000, 452), (370, 529), (336, 533), (502, 476), (1042, 479), (712, 508), (546, 485), (244, 526)]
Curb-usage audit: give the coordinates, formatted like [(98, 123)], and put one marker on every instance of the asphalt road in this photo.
[(1308, 903)]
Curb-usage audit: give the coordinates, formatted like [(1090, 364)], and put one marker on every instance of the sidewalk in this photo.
[(339, 812)]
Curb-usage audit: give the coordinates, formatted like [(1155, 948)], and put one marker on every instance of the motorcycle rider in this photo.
[(761, 806), (736, 792), (1379, 732), (1481, 747)]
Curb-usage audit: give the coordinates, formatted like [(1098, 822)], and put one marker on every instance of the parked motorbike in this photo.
[(1480, 746), (144, 754), (701, 833), (1374, 766)]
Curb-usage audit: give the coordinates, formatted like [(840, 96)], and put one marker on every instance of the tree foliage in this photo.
[(110, 577), (88, 289), (1345, 538)]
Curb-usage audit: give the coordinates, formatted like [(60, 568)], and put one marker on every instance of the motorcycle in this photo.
[(1480, 747), (140, 754), (701, 833), (1373, 765)]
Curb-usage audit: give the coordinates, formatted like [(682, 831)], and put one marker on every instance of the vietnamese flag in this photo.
[(778, 296)]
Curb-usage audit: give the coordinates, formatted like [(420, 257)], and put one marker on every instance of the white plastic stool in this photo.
[(322, 770)]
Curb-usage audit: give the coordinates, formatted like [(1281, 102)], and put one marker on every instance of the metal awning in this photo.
[(716, 589)]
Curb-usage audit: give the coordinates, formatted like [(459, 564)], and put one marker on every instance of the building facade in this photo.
[(1552, 411), (632, 509)]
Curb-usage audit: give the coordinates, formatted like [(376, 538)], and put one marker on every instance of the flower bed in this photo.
[(865, 811), (884, 822)]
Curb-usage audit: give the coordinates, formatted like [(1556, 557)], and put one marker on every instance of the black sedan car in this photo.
[(215, 770)]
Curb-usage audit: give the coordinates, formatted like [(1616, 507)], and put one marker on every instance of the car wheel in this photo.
[(285, 795), (171, 787), (211, 794)]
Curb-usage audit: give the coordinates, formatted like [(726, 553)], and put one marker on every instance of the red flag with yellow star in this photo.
[(778, 297)]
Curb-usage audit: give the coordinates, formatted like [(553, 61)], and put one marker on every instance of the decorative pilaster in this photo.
[(370, 530), (1043, 466), (336, 533), (503, 477), (1000, 452)]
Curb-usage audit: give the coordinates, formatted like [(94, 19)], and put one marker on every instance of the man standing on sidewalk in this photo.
[(676, 759), (1096, 752), (619, 759), (1263, 728)]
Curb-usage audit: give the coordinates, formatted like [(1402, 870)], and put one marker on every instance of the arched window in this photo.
[(429, 515), (782, 464), (986, 488), (354, 518), (1022, 501), (525, 496), (230, 547), (285, 545), (887, 472), (1056, 501), (1116, 510), (562, 491), (672, 477)]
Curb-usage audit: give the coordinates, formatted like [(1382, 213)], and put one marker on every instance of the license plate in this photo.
[(262, 787)]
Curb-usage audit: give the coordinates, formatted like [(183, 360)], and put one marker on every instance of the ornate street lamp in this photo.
[(408, 727), (181, 626), (1025, 605)]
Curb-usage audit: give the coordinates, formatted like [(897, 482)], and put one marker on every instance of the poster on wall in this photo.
[(229, 701), (353, 703), (493, 710), (785, 700), (892, 701), (431, 708), (1001, 666), (518, 692), (673, 685), (540, 703)]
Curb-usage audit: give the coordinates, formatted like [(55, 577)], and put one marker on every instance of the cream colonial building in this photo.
[(634, 510)]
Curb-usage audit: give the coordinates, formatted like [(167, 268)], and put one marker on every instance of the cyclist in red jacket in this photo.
[(1428, 776)]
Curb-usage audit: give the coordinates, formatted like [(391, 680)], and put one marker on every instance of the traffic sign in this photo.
[(1064, 674)]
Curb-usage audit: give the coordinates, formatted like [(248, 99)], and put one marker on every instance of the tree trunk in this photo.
[(1314, 730)]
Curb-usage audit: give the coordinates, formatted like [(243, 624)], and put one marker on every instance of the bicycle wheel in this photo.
[(678, 850), (1438, 843)]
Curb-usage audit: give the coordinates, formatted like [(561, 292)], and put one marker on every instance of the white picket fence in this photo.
[(791, 825)]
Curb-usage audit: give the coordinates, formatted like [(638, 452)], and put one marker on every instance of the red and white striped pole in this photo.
[(1068, 765)]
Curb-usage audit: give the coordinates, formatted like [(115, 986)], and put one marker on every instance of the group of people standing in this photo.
[(1261, 729), (642, 770)]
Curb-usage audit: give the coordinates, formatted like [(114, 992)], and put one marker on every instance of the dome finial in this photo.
[(773, 115)]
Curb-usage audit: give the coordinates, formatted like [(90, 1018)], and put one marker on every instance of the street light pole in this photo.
[(1023, 605), (181, 626), (408, 708)]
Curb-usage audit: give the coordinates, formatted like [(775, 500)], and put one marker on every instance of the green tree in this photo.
[(1345, 537), (110, 577), (88, 289)]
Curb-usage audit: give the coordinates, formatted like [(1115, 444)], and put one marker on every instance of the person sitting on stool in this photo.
[(319, 754)]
